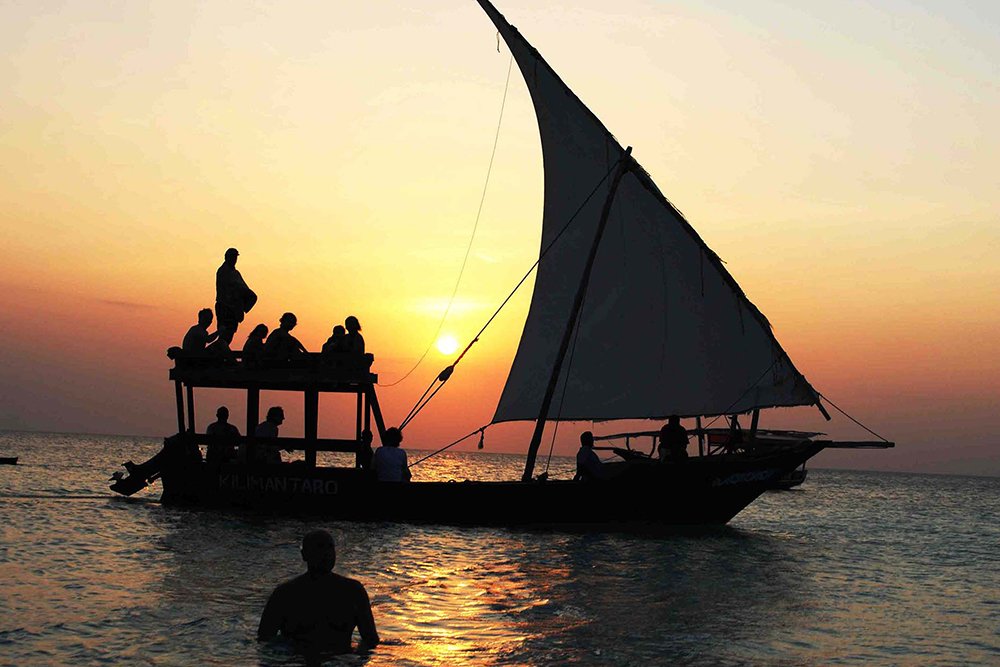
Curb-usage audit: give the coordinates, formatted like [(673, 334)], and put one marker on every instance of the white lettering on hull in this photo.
[(268, 484)]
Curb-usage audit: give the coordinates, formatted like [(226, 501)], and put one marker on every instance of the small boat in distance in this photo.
[(8, 460), (791, 479), (632, 317)]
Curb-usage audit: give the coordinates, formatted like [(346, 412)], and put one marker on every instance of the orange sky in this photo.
[(841, 161)]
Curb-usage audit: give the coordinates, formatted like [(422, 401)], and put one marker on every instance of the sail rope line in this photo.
[(464, 437), (475, 226), (443, 376), (569, 370), (841, 411)]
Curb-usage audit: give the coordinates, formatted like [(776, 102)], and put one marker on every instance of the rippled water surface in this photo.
[(851, 568)]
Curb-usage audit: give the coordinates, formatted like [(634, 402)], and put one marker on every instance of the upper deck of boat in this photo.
[(346, 372)]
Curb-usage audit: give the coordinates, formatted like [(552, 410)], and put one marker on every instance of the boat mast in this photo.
[(625, 164)]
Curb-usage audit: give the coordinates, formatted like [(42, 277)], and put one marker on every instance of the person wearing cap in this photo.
[(282, 345), (233, 299)]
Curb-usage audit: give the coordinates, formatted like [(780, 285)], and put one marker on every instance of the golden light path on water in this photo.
[(854, 569)]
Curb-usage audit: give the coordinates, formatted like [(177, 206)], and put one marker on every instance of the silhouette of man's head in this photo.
[(339, 331), (231, 255), (674, 420), (393, 437), (288, 321), (586, 439), (222, 413), (205, 317), (319, 552), (366, 437), (259, 331), (352, 324), (276, 415)]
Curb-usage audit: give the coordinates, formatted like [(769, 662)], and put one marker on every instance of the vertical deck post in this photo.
[(253, 410), (190, 397), (311, 425), (361, 408), (180, 405), (753, 424), (701, 437), (376, 411), (581, 291)]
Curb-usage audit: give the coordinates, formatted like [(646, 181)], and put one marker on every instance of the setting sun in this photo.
[(446, 345)]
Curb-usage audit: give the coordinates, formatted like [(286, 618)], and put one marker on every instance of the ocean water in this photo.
[(852, 568)]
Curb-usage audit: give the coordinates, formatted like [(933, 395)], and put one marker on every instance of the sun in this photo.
[(446, 344)]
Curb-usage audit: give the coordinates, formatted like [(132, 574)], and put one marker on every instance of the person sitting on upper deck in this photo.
[(588, 464), (197, 336), (355, 342), (267, 453), (673, 441), (389, 461), (336, 342), (281, 344), (226, 434), (253, 349)]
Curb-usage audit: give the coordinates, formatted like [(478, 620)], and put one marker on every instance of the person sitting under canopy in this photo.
[(588, 465)]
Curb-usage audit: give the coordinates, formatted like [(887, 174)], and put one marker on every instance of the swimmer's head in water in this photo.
[(318, 552)]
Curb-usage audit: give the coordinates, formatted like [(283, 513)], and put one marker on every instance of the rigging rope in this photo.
[(464, 437), (443, 376), (827, 399), (472, 238), (569, 369)]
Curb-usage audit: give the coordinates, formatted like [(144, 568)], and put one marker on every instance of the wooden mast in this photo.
[(536, 437)]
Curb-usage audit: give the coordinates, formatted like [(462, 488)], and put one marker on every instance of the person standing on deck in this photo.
[(673, 441), (319, 610), (588, 465), (227, 436), (233, 299), (197, 336), (389, 461)]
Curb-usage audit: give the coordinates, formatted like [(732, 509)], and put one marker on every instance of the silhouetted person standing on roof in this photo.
[(320, 609), (197, 336), (281, 344), (233, 298)]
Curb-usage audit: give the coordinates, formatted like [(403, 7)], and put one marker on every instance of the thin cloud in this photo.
[(125, 304)]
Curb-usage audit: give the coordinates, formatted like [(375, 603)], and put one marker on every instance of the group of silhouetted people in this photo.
[(233, 300), (671, 448)]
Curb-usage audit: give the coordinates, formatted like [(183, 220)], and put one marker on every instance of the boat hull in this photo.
[(709, 490)]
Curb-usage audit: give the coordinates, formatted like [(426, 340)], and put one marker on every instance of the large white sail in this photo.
[(664, 328)]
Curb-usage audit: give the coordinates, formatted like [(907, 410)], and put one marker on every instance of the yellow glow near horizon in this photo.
[(446, 345)]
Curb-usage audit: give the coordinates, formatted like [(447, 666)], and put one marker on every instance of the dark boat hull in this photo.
[(8, 460), (710, 490)]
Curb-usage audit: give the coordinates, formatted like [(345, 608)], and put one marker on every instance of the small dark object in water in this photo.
[(8, 460)]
